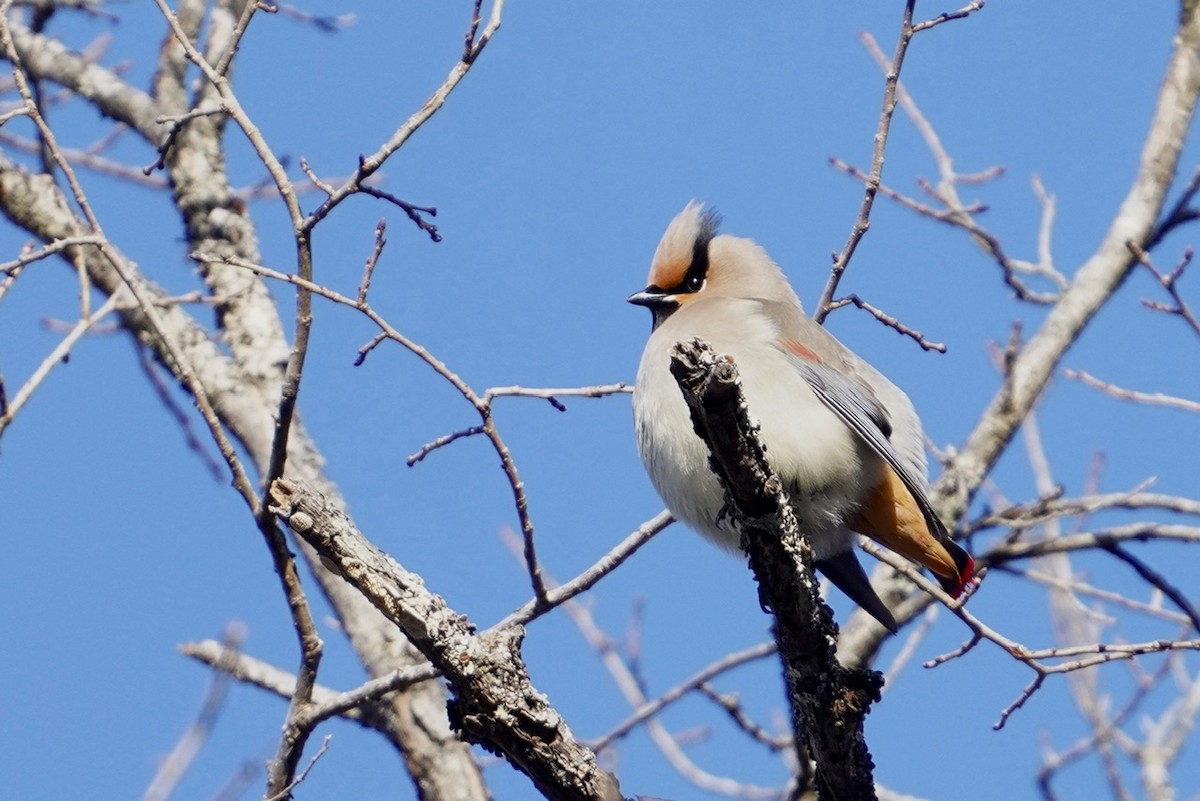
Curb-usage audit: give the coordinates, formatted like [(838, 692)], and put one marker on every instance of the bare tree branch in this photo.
[(176, 764), (1090, 288), (357, 704), (842, 260), (703, 676), (555, 596), (829, 701), (485, 672), (55, 357)]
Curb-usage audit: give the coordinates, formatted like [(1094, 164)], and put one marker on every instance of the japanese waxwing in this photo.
[(845, 440)]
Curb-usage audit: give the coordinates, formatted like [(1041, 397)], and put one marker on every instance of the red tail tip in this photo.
[(967, 581)]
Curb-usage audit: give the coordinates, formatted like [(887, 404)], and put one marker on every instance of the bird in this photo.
[(846, 442)]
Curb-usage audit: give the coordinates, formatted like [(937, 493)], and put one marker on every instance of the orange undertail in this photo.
[(892, 518)]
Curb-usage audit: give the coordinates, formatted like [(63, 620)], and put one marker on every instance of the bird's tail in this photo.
[(963, 581), (895, 519), (844, 570)]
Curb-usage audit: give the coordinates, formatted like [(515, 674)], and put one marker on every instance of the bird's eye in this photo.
[(694, 283)]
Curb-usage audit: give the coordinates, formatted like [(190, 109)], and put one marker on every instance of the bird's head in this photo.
[(694, 262)]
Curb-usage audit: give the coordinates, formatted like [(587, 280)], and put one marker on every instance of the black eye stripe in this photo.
[(693, 279)]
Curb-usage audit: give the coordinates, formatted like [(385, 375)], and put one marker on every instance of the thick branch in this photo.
[(46, 58), (441, 766), (829, 701), (494, 702), (1098, 278)]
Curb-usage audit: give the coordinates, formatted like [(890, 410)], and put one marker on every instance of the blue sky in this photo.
[(555, 166)]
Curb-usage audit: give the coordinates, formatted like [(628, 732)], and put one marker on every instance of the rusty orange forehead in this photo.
[(687, 235), (668, 273)]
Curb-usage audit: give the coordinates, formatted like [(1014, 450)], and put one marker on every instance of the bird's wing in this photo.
[(859, 409), (930, 545)]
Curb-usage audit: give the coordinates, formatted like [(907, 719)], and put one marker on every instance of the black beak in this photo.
[(650, 297)]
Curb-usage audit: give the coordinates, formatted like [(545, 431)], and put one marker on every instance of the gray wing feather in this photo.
[(862, 413), (903, 427)]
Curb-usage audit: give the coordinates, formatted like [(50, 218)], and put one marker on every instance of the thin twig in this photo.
[(909, 648), (553, 394), (368, 165), (732, 706), (1031, 514), (325, 23), (480, 404), (376, 688), (441, 442), (172, 768), (889, 321), (286, 792), (374, 342), (1149, 398), (1169, 282), (364, 286), (56, 356), (177, 123), (1025, 695), (1079, 587), (162, 391), (945, 215), (1131, 532), (606, 564), (1181, 212), (875, 177), (947, 16), (29, 256), (469, 39), (324, 186), (85, 158), (414, 212), (1157, 580)]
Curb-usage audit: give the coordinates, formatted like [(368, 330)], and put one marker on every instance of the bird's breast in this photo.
[(826, 468)]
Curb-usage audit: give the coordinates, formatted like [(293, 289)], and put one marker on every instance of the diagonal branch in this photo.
[(46, 58), (842, 260), (369, 165), (829, 702), (1156, 580), (494, 701), (1096, 280), (875, 178)]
